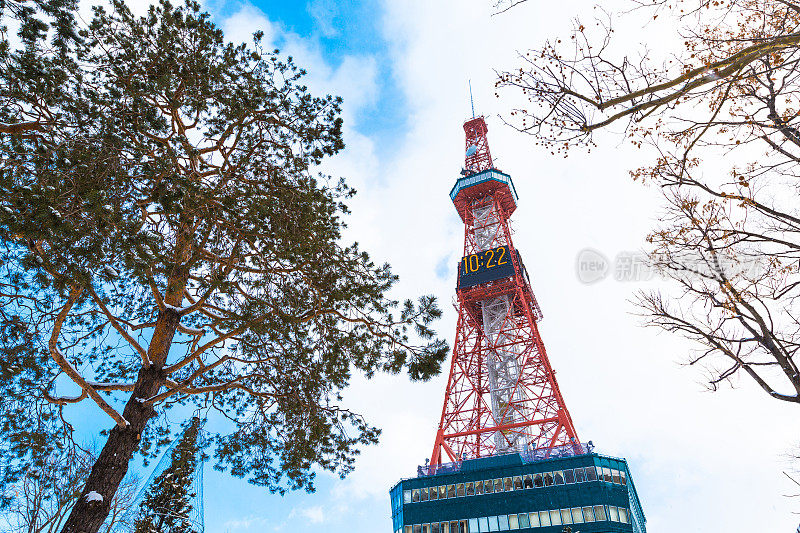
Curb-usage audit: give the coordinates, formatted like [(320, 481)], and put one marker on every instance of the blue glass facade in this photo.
[(589, 492)]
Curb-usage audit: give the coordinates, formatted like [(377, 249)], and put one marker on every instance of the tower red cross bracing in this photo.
[(502, 395)]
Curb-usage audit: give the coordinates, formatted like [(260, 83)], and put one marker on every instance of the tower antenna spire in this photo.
[(471, 102)]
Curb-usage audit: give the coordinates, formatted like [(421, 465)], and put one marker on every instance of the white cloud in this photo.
[(314, 515), (245, 523), (248, 19)]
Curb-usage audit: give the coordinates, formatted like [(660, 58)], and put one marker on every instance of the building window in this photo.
[(508, 484), (445, 527), (433, 493), (613, 513), (406, 496), (558, 477), (538, 480), (424, 495), (622, 477), (548, 479), (493, 526), (409, 529), (623, 515), (483, 524), (528, 482), (534, 520), (498, 485), (451, 491), (473, 525), (417, 529), (478, 488), (599, 512), (615, 477), (566, 516), (470, 488), (555, 517), (435, 528), (544, 518), (415, 495), (607, 475), (426, 528), (442, 492), (518, 483), (487, 486), (588, 515), (569, 477), (579, 477), (591, 473), (513, 521), (460, 489), (523, 520), (502, 522), (577, 515)]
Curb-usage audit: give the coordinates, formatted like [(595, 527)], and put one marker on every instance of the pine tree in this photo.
[(166, 238), (167, 504)]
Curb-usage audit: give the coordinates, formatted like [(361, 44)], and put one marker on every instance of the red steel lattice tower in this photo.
[(502, 395)]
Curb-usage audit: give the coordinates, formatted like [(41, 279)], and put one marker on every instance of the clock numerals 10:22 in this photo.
[(485, 260)]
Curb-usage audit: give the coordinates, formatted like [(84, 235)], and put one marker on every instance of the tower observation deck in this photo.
[(504, 426)]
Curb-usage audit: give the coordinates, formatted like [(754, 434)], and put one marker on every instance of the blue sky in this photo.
[(402, 68)]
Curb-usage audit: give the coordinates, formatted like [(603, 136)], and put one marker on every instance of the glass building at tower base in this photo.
[(546, 491)]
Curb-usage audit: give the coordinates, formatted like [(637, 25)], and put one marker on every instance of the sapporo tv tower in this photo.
[(506, 454)]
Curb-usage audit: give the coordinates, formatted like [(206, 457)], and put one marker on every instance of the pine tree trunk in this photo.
[(112, 463)]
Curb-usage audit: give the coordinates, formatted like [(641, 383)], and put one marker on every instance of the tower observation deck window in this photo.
[(544, 518), (523, 520), (555, 517), (566, 516), (509, 484), (558, 477), (538, 480), (579, 475), (588, 515), (518, 483), (502, 522), (513, 521), (442, 492), (424, 495), (548, 479), (528, 482), (577, 515), (534, 519), (470, 488), (569, 477), (415, 495), (600, 513), (498, 485), (460, 489), (406, 496), (591, 474), (613, 513), (478, 488), (433, 493)]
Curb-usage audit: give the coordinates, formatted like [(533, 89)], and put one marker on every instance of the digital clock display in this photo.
[(485, 266)]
